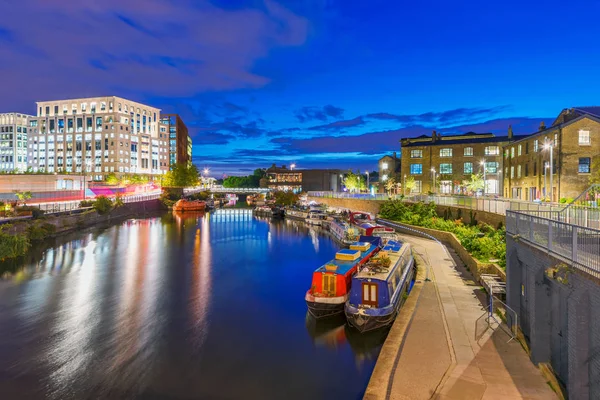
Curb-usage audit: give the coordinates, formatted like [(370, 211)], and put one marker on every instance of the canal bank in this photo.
[(442, 347)]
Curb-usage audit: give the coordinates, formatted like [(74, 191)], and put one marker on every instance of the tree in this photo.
[(250, 181), (354, 182), (181, 175), (594, 177), (390, 184), (111, 179), (474, 184), (409, 184), (23, 196), (286, 198)]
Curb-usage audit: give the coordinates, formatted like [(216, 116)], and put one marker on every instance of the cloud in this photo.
[(339, 125), (212, 138), (445, 117), (305, 114), (138, 48), (240, 130)]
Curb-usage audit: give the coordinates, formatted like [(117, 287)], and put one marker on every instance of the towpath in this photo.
[(441, 346)]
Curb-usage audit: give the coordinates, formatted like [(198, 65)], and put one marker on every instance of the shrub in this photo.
[(103, 205), (37, 231), (12, 246), (86, 203), (119, 200)]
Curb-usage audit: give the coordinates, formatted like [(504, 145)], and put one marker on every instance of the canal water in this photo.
[(196, 307)]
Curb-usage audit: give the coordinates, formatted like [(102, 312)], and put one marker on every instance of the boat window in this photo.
[(329, 284), (370, 294)]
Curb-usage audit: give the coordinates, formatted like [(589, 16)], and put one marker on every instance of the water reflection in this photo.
[(178, 306)]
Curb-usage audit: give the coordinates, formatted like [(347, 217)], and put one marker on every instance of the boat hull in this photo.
[(323, 307), (369, 319)]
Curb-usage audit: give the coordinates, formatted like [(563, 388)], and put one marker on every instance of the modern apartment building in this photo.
[(97, 136), (13, 142), (448, 160), (304, 180), (180, 143), (573, 140)]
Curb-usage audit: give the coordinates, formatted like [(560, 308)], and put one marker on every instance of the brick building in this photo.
[(180, 143), (304, 180), (389, 166), (574, 141), (450, 159)]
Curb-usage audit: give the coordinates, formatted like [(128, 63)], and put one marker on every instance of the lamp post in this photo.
[(292, 166), (550, 145), (545, 173), (433, 180), (484, 176), (368, 182)]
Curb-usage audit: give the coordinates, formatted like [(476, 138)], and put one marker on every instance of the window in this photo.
[(584, 138), (416, 169), (83, 107), (416, 154), (536, 146), (584, 165), (468, 152), (446, 187), (369, 294), (555, 139), (518, 171), (526, 170), (512, 152), (384, 165), (534, 168), (468, 168), (445, 168), (527, 148), (446, 152), (512, 172), (519, 150), (491, 167), (418, 187), (492, 151)]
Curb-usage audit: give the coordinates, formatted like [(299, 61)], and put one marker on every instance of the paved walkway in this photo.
[(445, 349)]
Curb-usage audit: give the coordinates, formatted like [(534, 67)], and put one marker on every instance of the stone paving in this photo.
[(445, 349)]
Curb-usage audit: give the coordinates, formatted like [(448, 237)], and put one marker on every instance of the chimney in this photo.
[(510, 132), (395, 155), (434, 136), (542, 126)]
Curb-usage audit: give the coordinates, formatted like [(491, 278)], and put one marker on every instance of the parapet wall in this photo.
[(450, 212)]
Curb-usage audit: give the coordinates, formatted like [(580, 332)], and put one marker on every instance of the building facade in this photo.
[(573, 140), (179, 140), (304, 180), (388, 167), (97, 136), (13, 142), (440, 163)]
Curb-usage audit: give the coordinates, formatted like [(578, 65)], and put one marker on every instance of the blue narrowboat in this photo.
[(378, 288)]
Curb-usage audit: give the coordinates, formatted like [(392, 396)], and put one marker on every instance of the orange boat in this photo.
[(189, 205)]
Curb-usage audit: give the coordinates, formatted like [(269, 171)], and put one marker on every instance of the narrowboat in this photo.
[(367, 227), (331, 282), (278, 211), (189, 205), (316, 217), (296, 213), (343, 232), (378, 288), (263, 210)]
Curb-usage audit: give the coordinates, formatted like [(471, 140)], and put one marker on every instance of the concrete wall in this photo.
[(372, 206), (560, 321)]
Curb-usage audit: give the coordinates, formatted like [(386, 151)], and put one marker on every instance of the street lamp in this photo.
[(433, 179), (484, 183), (550, 145), (293, 166), (368, 181)]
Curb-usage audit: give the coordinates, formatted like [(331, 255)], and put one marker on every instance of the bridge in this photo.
[(239, 190)]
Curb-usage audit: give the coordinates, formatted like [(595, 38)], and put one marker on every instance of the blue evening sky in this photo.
[(326, 83)]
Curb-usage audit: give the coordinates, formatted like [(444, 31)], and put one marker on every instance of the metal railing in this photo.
[(238, 190), (62, 207), (347, 195), (576, 244)]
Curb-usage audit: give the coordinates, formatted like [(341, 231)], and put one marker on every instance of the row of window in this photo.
[(491, 167), (584, 167), (93, 107), (467, 152)]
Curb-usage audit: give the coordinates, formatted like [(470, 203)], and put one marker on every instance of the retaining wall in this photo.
[(372, 206), (559, 320)]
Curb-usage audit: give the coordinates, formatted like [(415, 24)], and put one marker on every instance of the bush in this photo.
[(35, 211), (86, 203), (119, 200), (37, 231), (12, 246), (103, 205)]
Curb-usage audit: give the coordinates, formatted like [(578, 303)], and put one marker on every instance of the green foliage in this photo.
[(354, 182), (23, 196), (594, 177), (40, 231), (250, 181), (169, 197), (409, 184), (12, 246), (119, 200), (286, 198), (200, 196), (181, 175), (474, 184), (482, 240), (103, 205), (111, 179), (86, 203), (566, 200), (35, 211)]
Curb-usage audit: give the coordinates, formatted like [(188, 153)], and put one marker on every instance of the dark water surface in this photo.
[(201, 307)]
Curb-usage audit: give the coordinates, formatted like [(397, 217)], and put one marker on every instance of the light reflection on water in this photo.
[(194, 306)]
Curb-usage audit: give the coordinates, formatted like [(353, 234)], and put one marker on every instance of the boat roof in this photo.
[(345, 266), (395, 251)]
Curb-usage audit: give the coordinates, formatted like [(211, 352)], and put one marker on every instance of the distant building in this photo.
[(388, 167), (13, 141), (575, 140), (450, 159), (304, 180), (97, 136), (179, 139)]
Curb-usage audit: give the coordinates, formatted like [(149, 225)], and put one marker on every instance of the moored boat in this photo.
[(263, 210), (343, 231), (189, 205), (331, 282), (296, 213), (368, 227), (315, 217), (379, 287)]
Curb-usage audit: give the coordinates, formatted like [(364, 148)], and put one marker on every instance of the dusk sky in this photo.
[(326, 83)]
